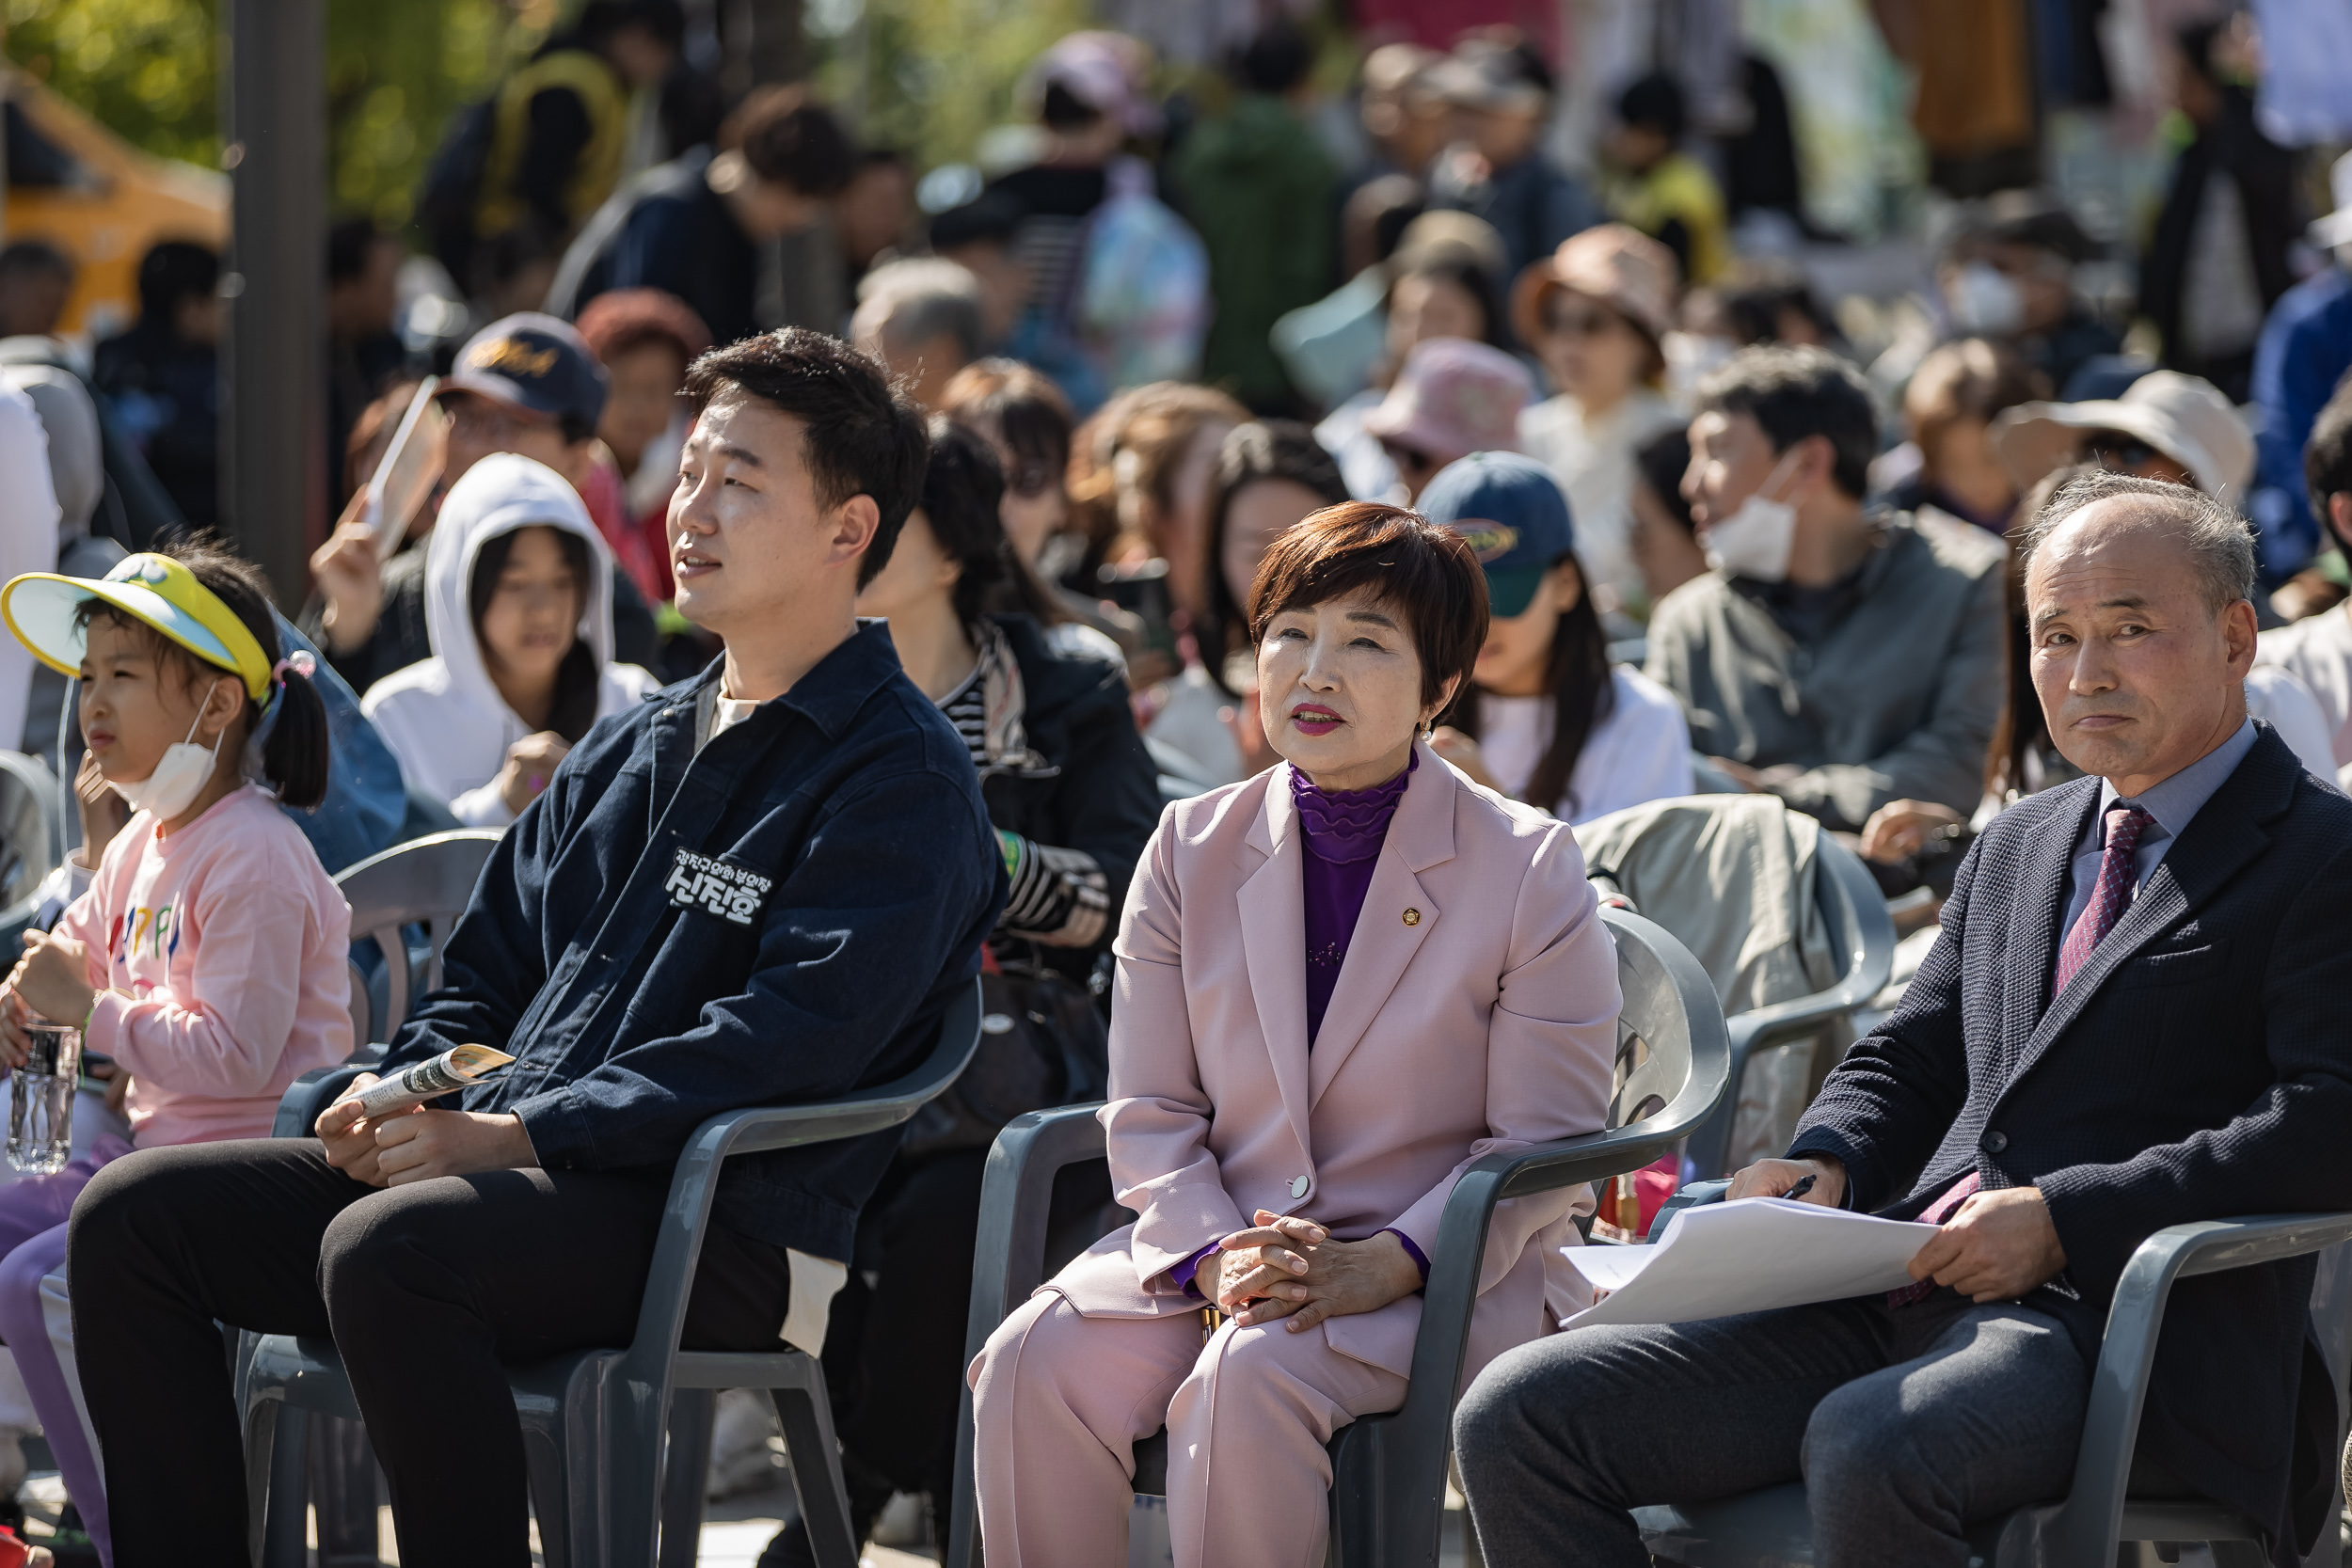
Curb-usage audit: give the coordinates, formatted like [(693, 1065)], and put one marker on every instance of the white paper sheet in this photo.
[(1721, 1259)]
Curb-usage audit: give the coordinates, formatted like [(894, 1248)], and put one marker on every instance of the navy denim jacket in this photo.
[(663, 936)]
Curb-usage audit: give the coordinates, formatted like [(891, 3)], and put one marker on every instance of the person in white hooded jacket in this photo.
[(518, 608)]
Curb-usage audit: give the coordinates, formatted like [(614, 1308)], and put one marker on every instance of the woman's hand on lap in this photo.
[(1256, 1269), (1339, 1278)]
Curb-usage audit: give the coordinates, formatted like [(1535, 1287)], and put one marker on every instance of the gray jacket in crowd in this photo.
[(1895, 700)]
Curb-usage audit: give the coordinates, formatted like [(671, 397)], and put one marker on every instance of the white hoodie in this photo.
[(443, 717)]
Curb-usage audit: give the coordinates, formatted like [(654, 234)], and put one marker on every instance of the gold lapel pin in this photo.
[(1412, 917)]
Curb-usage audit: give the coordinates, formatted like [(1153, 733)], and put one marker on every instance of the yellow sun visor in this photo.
[(40, 606)]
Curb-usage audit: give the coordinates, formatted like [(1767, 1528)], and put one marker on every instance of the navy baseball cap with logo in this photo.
[(533, 362), (1514, 517)]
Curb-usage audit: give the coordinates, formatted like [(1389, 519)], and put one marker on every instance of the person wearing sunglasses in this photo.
[(2166, 425), (1595, 311)]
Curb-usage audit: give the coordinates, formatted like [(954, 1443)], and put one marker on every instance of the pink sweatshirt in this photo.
[(221, 956)]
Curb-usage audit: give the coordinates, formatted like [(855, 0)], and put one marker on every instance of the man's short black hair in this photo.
[(1275, 60), (22, 257), (791, 139), (1796, 392), (174, 270), (2328, 459), (862, 438), (1653, 103)]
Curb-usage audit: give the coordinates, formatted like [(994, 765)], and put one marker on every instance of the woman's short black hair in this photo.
[(577, 678), (964, 490), (1423, 570), (860, 438), (295, 755)]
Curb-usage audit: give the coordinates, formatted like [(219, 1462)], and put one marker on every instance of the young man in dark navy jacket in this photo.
[(761, 887)]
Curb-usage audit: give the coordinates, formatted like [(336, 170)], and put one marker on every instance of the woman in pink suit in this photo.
[(1340, 982)]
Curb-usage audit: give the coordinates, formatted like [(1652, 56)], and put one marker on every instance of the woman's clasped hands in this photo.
[(1286, 1267)]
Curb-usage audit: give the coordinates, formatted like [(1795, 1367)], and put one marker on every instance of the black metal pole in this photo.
[(272, 429)]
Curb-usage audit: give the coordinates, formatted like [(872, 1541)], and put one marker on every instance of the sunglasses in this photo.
[(1409, 457), (2112, 450)]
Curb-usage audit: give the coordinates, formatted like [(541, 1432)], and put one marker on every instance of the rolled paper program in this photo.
[(453, 1069)]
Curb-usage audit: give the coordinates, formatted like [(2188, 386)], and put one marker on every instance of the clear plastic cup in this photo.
[(41, 1098)]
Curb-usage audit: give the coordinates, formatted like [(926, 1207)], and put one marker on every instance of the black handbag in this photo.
[(1042, 1043)]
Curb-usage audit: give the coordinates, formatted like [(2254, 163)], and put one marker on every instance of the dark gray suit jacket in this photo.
[(2198, 1067)]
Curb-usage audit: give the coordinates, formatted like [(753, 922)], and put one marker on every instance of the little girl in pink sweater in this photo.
[(208, 958)]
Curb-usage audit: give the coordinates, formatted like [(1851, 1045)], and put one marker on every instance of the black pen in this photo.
[(1805, 1185)]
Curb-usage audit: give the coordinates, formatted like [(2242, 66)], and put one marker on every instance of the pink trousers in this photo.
[(1060, 1401)]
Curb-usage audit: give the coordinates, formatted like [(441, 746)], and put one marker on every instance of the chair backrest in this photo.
[(30, 843), (1861, 932), (427, 882), (1862, 948), (1672, 1053)]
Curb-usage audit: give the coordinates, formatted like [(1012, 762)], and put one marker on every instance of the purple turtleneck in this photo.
[(1342, 832)]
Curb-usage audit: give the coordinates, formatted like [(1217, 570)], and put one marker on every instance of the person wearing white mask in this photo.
[(1836, 657), (518, 605)]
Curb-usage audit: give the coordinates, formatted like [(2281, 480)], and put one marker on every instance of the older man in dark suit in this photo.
[(2134, 1017)]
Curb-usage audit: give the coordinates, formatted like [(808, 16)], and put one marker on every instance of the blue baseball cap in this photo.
[(1514, 517), (533, 362)]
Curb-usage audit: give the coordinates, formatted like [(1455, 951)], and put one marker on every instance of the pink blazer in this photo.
[(1475, 1013)]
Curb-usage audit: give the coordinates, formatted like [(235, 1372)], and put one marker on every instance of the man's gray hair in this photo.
[(914, 300), (2219, 540)]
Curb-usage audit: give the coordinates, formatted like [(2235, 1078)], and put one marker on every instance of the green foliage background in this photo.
[(926, 76), (929, 76), (395, 70)]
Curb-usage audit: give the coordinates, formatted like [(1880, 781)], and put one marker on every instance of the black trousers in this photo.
[(429, 1291)]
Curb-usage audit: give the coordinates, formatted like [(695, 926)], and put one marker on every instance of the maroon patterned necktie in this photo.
[(2124, 824)]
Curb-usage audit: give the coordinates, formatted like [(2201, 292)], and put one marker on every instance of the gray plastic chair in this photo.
[(1771, 1529), (427, 882), (32, 837), (1389, 1471), (1862, 936), (595, 1422)]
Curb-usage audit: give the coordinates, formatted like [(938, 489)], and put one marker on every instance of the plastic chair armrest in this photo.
[(754, 1128), (2087, 1524), (1016, 1194), (1009, 1262)]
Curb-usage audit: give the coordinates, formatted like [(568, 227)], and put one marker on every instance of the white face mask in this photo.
[(1984, 302), (179, 778), (1757, 539)]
